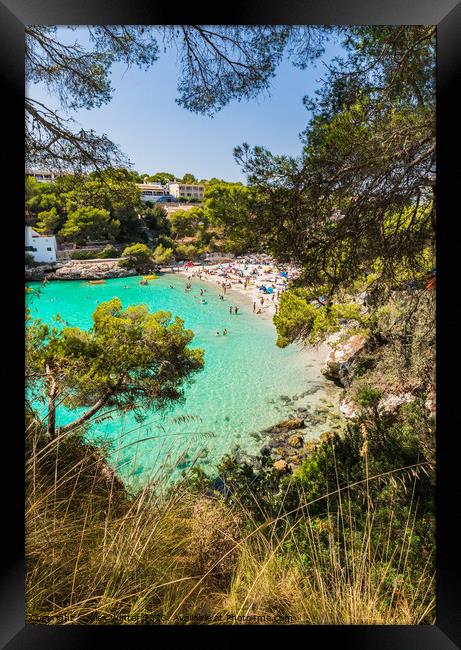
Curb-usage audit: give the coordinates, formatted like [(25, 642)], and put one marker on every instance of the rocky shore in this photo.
[(291, 441), (78, 270)]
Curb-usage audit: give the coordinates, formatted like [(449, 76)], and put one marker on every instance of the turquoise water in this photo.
[(248, 384)]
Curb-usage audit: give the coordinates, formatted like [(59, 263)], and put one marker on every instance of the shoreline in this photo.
[(321, 409), (249, 294)]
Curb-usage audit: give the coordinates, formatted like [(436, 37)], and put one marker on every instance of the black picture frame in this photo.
[(446, 14)]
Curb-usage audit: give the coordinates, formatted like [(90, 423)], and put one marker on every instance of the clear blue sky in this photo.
[(158, 135)]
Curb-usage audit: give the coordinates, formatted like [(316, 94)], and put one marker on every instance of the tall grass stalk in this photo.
[(94, 550)]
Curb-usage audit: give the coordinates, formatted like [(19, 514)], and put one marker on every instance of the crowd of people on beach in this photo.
[(258, 276)]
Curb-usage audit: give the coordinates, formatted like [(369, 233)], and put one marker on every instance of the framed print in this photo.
[(235, 345)]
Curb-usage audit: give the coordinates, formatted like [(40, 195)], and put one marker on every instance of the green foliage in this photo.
[(155, 218), (29, 259), (139, 257), (130, 359), (112, 190), (161, 177), (84, 255), (362, 192), (228, 207), (48, 222), (187, 252), (49, 205), (301, 316), (109, 252), (187, 223), (189, 179), (369, 397), (90, 223), (162, 255)]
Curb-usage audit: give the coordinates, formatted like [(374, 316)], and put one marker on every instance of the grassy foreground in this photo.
[(96, 554)]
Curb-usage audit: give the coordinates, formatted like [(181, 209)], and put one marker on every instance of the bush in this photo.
[(162, 255), (29, 260), (85, 255), (109, 252), (138, 256), (187, 252), (369, 397)]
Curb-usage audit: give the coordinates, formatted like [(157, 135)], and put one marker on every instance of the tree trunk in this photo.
[(51, 420), (88, 414)]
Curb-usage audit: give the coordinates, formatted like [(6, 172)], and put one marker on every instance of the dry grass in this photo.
[(94, 551), (353, 582)]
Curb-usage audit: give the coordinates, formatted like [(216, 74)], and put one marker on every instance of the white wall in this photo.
[(43, 247)]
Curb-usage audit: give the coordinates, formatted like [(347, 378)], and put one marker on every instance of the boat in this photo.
[(29, 289), (96, 281), (151, 277)]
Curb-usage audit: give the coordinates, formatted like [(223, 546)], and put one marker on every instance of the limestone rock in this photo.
[(295, 441), (98, 270), (327, 435), (390, 403), (294, 423), (343, 355), (430, 404), (280, 465), (349, 408)]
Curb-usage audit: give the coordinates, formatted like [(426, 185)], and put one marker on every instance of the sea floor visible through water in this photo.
[(248, 383)]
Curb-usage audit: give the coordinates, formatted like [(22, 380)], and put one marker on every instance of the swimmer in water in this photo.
[(224, 332)]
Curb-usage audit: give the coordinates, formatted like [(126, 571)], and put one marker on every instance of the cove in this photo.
[(248, 383)]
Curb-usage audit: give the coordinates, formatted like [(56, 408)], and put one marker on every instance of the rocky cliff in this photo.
[(79, 270)]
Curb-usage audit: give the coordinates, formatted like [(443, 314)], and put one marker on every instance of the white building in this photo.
[(149, 191), (186, 190), (41, 247), (41, 175)]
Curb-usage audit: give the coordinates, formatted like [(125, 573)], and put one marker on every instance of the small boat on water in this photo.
[(96, 281), (29, 289), (151, 277)]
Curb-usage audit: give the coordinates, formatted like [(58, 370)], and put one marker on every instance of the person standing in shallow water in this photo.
[(254, 306), (235, 310), (230, 310)]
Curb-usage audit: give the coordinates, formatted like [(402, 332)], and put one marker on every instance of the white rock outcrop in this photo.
[(97, 270), (343, 353), (349, 408), (390, 403)]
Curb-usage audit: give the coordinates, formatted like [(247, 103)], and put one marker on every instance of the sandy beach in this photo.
[(256, 279)]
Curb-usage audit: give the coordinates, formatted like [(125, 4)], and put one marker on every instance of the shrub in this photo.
[(85, 255), (109, 252), (187, 252), (162, 255), (369, 397), (138, 256)]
